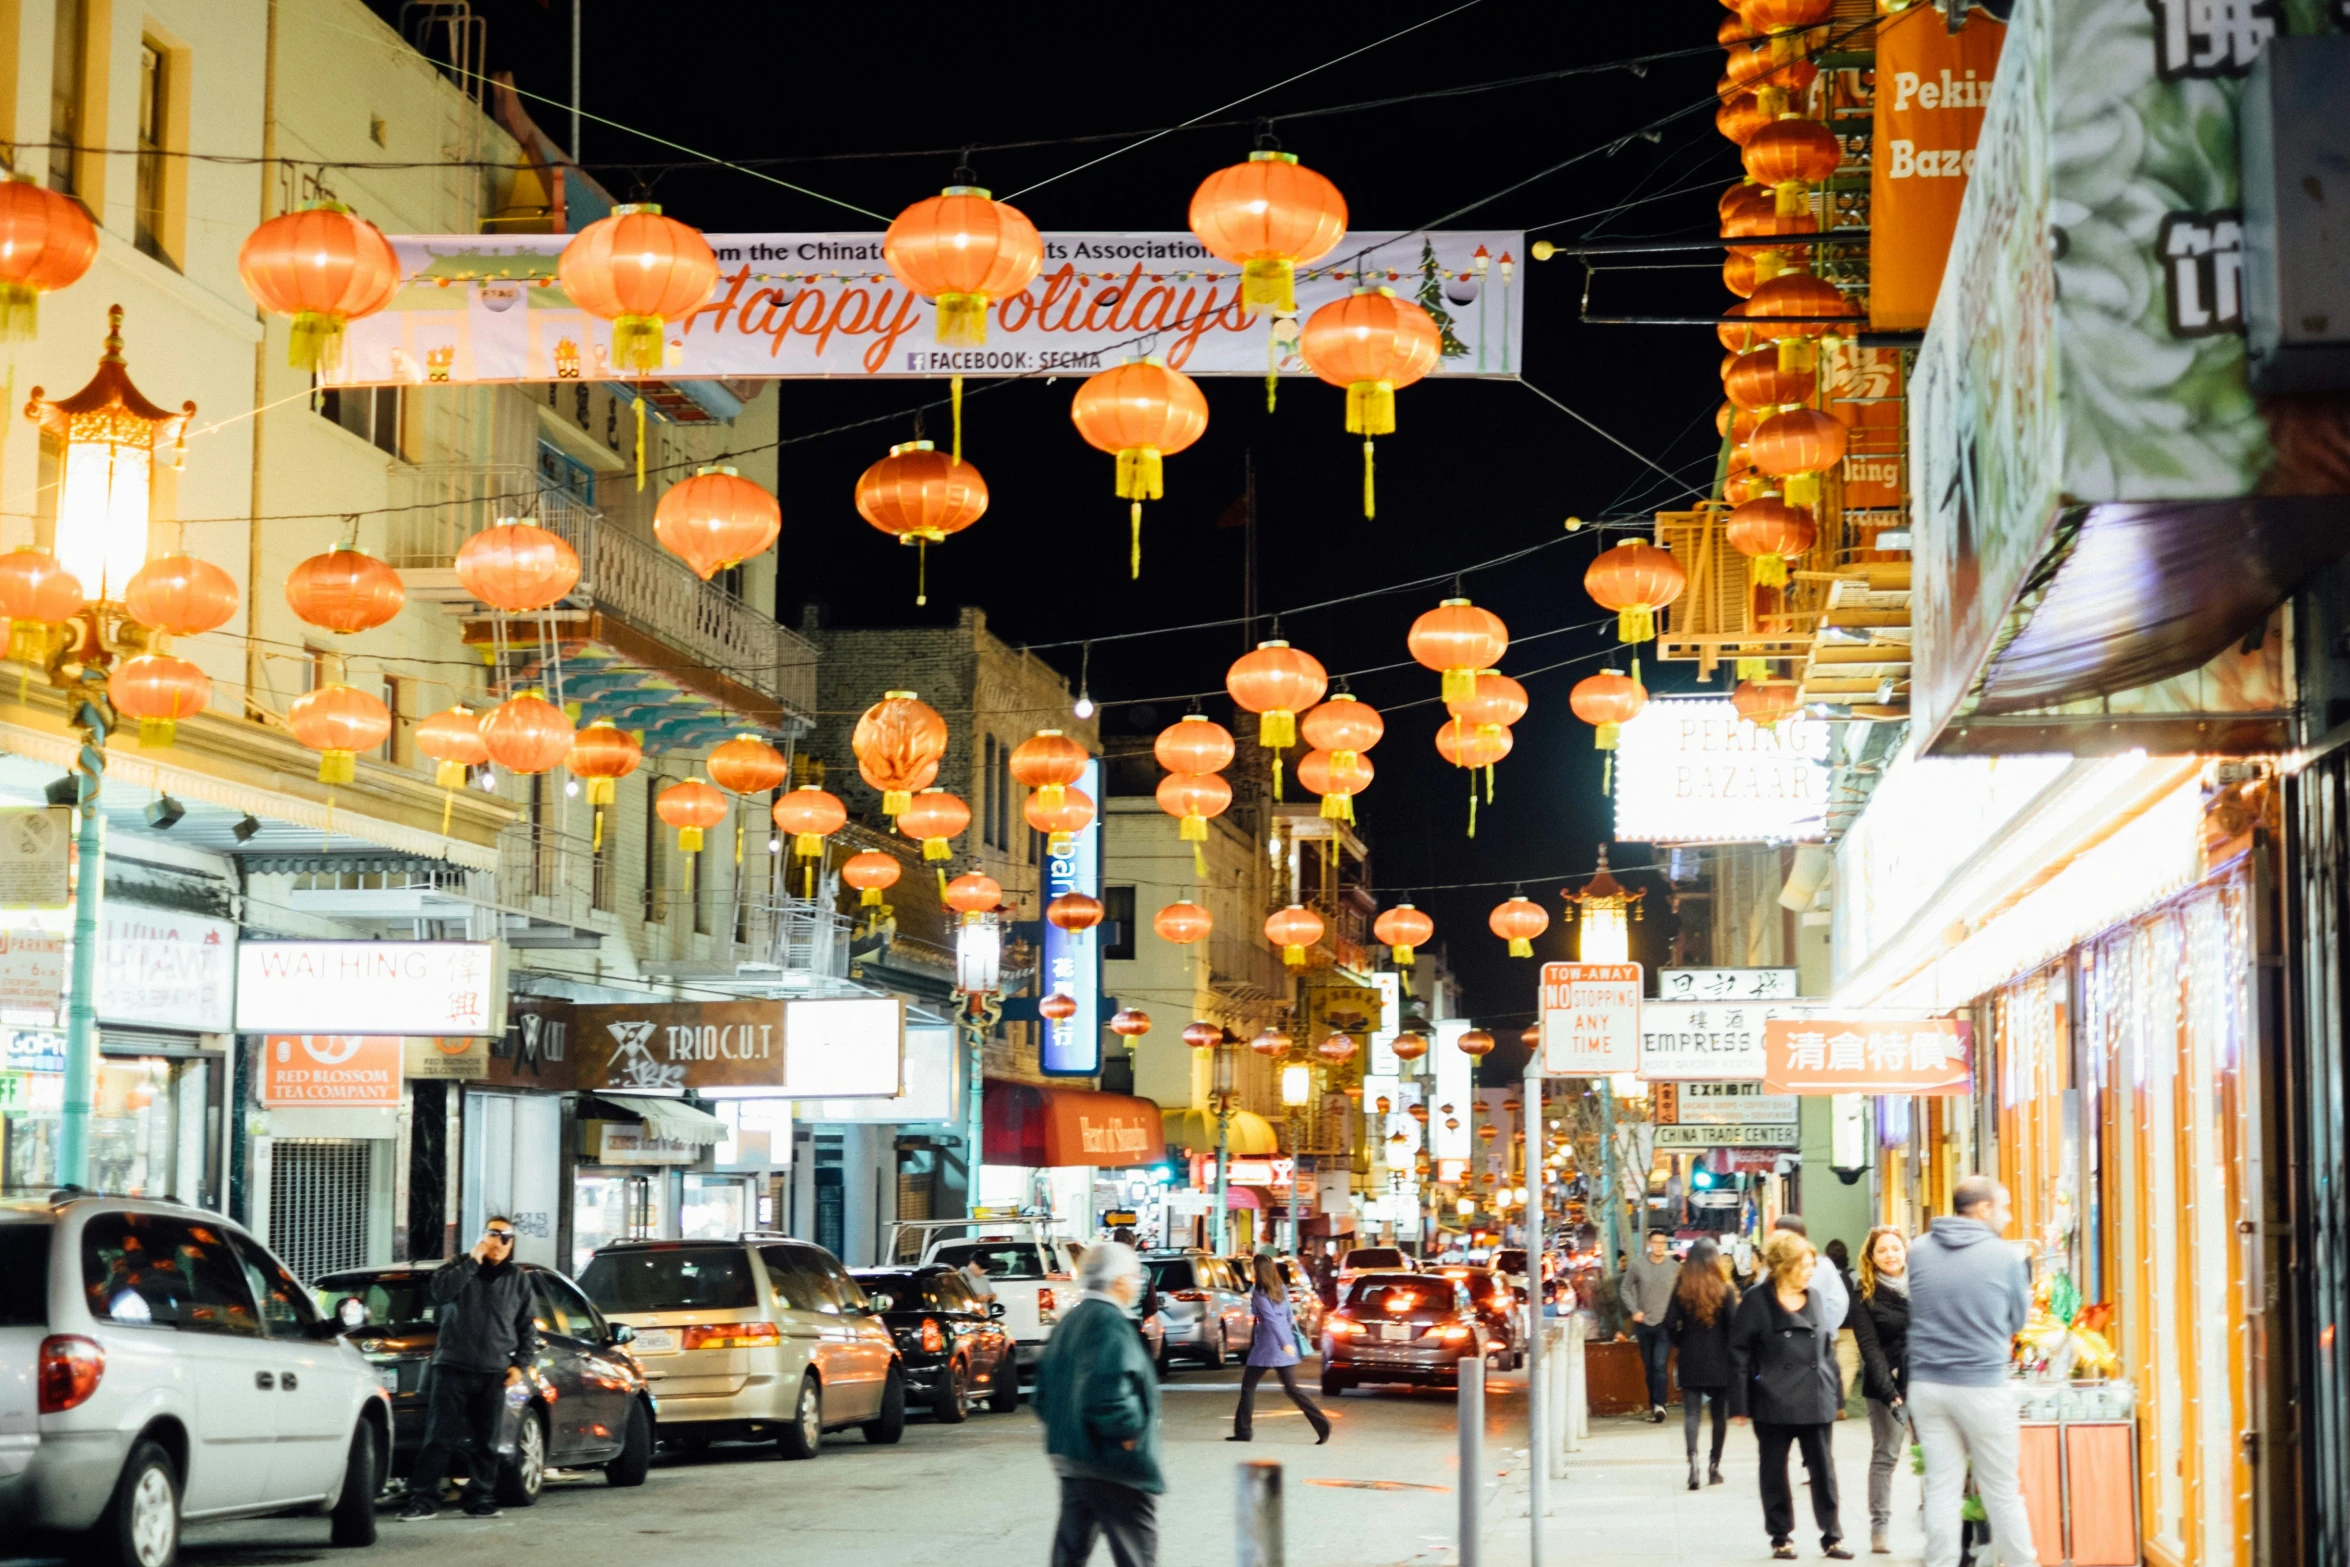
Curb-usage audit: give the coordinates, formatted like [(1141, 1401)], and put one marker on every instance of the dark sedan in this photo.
[(1400, 1327), (952, 1342), (1497, 1313), (592, 1411)]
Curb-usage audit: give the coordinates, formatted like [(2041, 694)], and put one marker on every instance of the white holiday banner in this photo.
[(487, 307)]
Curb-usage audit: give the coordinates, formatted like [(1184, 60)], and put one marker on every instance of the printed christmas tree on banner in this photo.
[(1431, 298)]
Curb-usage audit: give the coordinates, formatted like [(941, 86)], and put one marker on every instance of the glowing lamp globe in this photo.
[(107, 435)]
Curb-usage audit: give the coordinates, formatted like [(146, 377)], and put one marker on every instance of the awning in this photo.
[(1036, 1128), (1245, 1134), (1247, 1197), (670, 1117)]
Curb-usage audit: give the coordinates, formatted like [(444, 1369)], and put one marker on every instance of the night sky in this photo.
[(1475, 470)]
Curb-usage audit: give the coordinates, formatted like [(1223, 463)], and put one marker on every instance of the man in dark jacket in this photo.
[(486, 1339), (1098, 1396)]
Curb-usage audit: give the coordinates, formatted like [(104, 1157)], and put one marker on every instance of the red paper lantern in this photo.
[(323, 266), (963, 251), (1183, 923), (345, 591), (870, 871), (810, 816), (1518, 922), (1798, 445), (1635, 580), (1373, 344), (46, 243), (1293, 930), (181, 596), (1337, 1049), (1203, 1035), (338, 722), (517, 566), (1071, 816), (452, 738), (919, 495), (1074, 911), (1342, 725), (1337, 776), (601, 755), (1763, 704), (1457, 639), (1130, 1023), (747, 765), (1270, 1043), (1403, 928), (35, 594), (1476, 1042), (1194, 744), (1276, 682), (158, 690), (973, 894), (715, 520), (1268, 217), (1409, 1046), (1473, 748), (1047, 762), (899, 741), (1769, 531), (1607, 701), (527, 734), (1740, 117), (637, 270), (1755, 381), (1191, 798), (1497, 700), (1141, 412), (934, 816), (1060, 1006), (1784, 16), (1794, 310)]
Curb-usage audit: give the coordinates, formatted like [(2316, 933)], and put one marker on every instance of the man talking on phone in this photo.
[(486, 1340)]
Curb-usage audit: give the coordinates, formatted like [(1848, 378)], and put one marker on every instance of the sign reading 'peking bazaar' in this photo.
[(487, 307)]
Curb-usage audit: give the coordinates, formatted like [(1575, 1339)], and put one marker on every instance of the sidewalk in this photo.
[(1626, 1501)]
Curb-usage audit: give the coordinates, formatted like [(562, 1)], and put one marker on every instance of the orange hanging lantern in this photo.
[(527, 734), (1635, 580), (1457, 639), (1756, 383), (933, 816), (810, 816), (1738, 274), (870, 872), (452, 738), (1074, 911), (1337, 1049), (1337, 776), (1130, 1023), (1268, 217), (1410, 1046), (1763, 704), (1784, 16), (1770, 531), (338, 722), (517, 567), (1473, 749), (1518, 921), (1487, 1133), (1059, 1007), (1790, 155), (1048, 762), (601, 755), (1739, 117), (1497, 700), (36, 595), (919, 495), (323, 266), (1276, 682), (1342, 726), (1270, 1043), (1191, 798), (1798, 445), (1141, 411), (1194, 744), (973, 894), (1607, 702), (1743, 197), (1183, 923), (899, 741), (344, 590), (1476, 1042), (963, 251), (1732, 30), (1373, 344), (181, 596), (158, 690), (1795, 310), (747, 765), (715, 520), (1062, 822), (46, 243), (1203, 1035), (1293, 930), (1403, 928), (637, 270)]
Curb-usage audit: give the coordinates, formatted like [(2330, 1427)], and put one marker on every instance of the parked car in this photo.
[(1510, 1264), (1305, 1301), (757, 1339), (1399, 1327), (1373, 1259), (593, 1409), (158, 1365), (1203, 1306), (952, 1342), (1030, 1270), (1497, 1310)]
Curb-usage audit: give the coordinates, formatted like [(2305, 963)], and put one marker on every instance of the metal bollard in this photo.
[(1471, 1415), (1257, 1537)]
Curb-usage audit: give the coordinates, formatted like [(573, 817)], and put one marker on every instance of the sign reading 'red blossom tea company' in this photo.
[(1072, 960), (409, 988)]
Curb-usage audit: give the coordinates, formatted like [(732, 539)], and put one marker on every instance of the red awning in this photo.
[(1038, 1128), (1243, 1197)]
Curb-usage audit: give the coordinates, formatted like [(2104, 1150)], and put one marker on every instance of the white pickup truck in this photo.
[(1032, 1271)]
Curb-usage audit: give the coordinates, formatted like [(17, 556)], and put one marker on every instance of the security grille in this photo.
[(318, 1194)]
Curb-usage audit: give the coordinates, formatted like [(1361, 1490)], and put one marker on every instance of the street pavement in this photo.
[(1382, 1493)]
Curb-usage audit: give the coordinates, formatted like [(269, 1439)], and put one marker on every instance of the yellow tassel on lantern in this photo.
[(1192, 829), (1790, 199), (600, 791), (921, 570), (1058, 844), (962, 318), (1271, 283), (1272, 370), (1460, 685), (738, 843), (807, 844), (1770, 571), (157, 731), (1276, 730), (1803, 489), (1797, 356), (1370, 408), (1635, 624), (1199, 861), (1052, 796), (1141, 474), (1370, 484), (596, 846), (337, 767), (1489, 783), (870, 898), (1604, 738), (1134, 550), (636, 343), (689, 840), (1295, 957), (895, 801), (1334, 807), (942, 885), (1403, 956), (1520, 947), (317, 342), (640, 434), (1753, 668), (937, 849)]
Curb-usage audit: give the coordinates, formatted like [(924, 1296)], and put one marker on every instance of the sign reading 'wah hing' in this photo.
[(481, 307)]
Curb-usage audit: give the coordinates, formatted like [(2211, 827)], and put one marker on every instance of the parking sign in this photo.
[(1590, 1018)]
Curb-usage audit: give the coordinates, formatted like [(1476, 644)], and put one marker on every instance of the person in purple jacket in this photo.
[(1272, 1348)]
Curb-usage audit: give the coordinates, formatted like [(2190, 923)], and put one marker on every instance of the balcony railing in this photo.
[(1245, 970), (620, 575)]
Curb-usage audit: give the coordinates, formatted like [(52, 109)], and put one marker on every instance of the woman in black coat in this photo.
[(1697, 1323), (1880, 1321), (1783, 1376)]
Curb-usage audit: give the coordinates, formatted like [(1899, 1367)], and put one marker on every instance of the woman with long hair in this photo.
[(1783, 1377), (1274, 1348), (1697, 1323), (1880, 1321)]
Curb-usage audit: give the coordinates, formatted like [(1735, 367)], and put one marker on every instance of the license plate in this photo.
[(1394, 1332), (655, 1341)]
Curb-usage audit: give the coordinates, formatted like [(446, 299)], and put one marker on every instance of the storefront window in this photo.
[(717, 1207), (613, 1206), (146, 1131)]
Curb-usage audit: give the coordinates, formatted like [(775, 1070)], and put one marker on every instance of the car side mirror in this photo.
[(350, 1314), (995, 1310), (622, 1333)]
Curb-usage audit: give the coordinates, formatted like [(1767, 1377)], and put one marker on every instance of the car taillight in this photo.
[(1045, 1306), (1456, 1332), (70, 1369), (1191, 1294), (731, 1335), (932, 1339), (1340, 1327)]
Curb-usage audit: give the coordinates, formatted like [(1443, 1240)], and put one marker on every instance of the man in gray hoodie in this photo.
[(1968, 1295), (1646, 1290)]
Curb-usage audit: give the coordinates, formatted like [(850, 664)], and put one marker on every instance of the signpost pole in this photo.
[(1615, 1194), (1223, 1171), (81, 1038), (1537, 1399)]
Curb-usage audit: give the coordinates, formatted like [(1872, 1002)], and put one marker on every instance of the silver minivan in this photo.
[(158, 1364), (1203, 1305)]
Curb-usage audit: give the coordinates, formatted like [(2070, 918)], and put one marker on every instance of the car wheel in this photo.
[(804, 1437), (886, 1427), (952, 1406), (141, 1524), (1214, 1355), (354, 1513), (636, 1449), (1335, 1383), (1004, 1397), (521, 1477)]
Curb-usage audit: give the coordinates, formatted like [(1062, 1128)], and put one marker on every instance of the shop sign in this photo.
[(446, 1060), (1691, 770), (1706, 1040), (667, 1047), (535, 1049), (1725, 984), (1255, 1172), (1456, 1083), (36, 842), (934, 1070), (33, 1050), (1072, 959), (1590, 1018), (1383, 1061), (1737, 1134), (1932, 85), (1835, 1056), (429, 988), (1865, 395), (850, 1048), (163, 969), (1717, 1104), (790, 305), (615, 1142), (345, 1071), (1353, 1010), (32, 970), (16, 1093)]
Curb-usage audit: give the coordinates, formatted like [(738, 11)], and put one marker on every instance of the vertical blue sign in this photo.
[(1073, 959)]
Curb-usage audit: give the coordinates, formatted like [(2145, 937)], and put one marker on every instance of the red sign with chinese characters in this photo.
[(1832, 1056)]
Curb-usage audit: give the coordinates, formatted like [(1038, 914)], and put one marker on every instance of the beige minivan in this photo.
[(764, 1338)]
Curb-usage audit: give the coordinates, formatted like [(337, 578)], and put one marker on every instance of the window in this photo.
[(372, 413), (286, 1311), (671, 1278), (1118, 922), (566, 475), (24, 1275), (561, 1309), (153, 184), (987, 793), (395, 746), (68, 81), (656, 847), (799, 1279), (155, 1270)]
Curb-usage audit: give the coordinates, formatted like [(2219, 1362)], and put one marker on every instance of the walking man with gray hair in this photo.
[(1968, 1295), (1098, 1396)]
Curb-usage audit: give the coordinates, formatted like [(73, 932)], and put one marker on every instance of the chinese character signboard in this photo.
[(1691, 770), (1932, 85), (430, 988), (344, 1071), (1072, 959), (1708, 1041), (1590, 1018), (1725, 984), (1833, 1056)]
